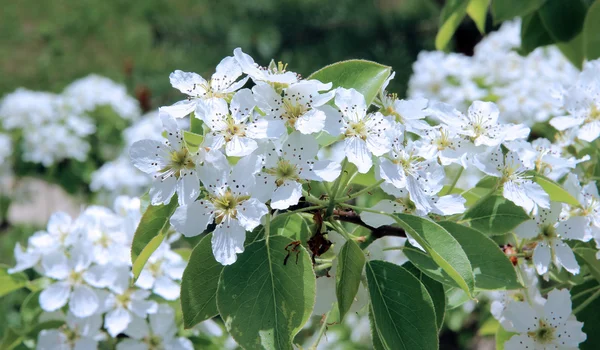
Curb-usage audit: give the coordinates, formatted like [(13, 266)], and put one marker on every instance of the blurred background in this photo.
[(46, 45)]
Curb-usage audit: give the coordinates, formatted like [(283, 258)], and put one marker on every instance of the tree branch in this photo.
[(376, 232)]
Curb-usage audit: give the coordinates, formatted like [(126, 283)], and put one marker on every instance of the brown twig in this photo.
[(376, 232)]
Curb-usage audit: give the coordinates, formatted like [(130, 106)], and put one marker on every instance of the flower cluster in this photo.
[(53, 127), (87, 271), (523, 87)]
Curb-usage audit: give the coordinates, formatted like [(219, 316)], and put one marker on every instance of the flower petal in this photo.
[(84, 302), (55, 296), (193, 219), (228, 240)]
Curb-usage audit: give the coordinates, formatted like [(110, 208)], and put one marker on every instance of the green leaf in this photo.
[(589, 256), (196, 124), (377, 343), (589, 315), (477, 10), (441, 246), (502, 336), (192, 140), (263, 302), (10, 340), (563, 18), (555, 191), (351, 261), (503, 10), (452, 14), (184, 253), (425, 263), (533, 34), (436, 292), (11, 282), (402, 308), (149, 234), (199, 284), (591, 28), (365, 76), (573, 50), (491, 267), (456, 297), (495, 215)]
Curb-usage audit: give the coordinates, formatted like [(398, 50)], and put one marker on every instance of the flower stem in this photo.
[(334, 190), (358, 193), (321, 331), (455, 181), (267, 228), (587, 302)]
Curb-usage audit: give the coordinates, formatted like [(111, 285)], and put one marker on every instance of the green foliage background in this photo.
[(47, 44)]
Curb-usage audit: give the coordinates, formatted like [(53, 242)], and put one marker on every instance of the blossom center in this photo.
[(180, 160), (226, 206), (293, 111), (234, 129), (544, 334), (357, 129), (594, 114), (285, 171)]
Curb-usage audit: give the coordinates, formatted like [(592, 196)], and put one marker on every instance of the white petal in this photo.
[(450, 204), (334, 122), (528, 229), (192, 219), (137, 328), (188, 187), (172, 130), (141, 308), (565, 256), (186, 82), (55, 296), (131, 344), (162, 191), (166, 288), (228, 240), (249, 213), (324, 170), (162, 322), (392, 173), (521, 342), (483, 111), (558, 306), (358, 154), (377, 220), (240, 146), (570, 334), (564, 123), (266, 129), (242, 105), (522, 316), (589, 131), (574, 228), (351, 103), (311, 122), (52, 339), (25, 260), (56, 265), (116, 321), (541, 258), (84, 302), (59, 222), (227, 72), (85, 343), (180, 109), (286, 195)]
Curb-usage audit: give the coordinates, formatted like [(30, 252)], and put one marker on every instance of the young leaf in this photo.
[(452, 14), (192, 140), (425, 263), (365, 76), (573, 50), (477, 10), (591, 28), (441, 246), (589, 256), (491, 267), (154, 221), (495, 215), (436, 292), (555, 191), (502, 336), (263, 302), (503, 10), (11, 282), (199, 284), (351, 261), (402, 308)]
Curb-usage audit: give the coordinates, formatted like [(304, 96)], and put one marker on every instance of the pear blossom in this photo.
[(203, 94), (274, 74), (517, 185), (409, 113), (234, 128), (300, 105), (163, 269), (546, 326), (549, 235), (363, 134), (589, 206), (287, 168), (74, 283), (229, 202), (79, 333), (160, 332), (171, 163)]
